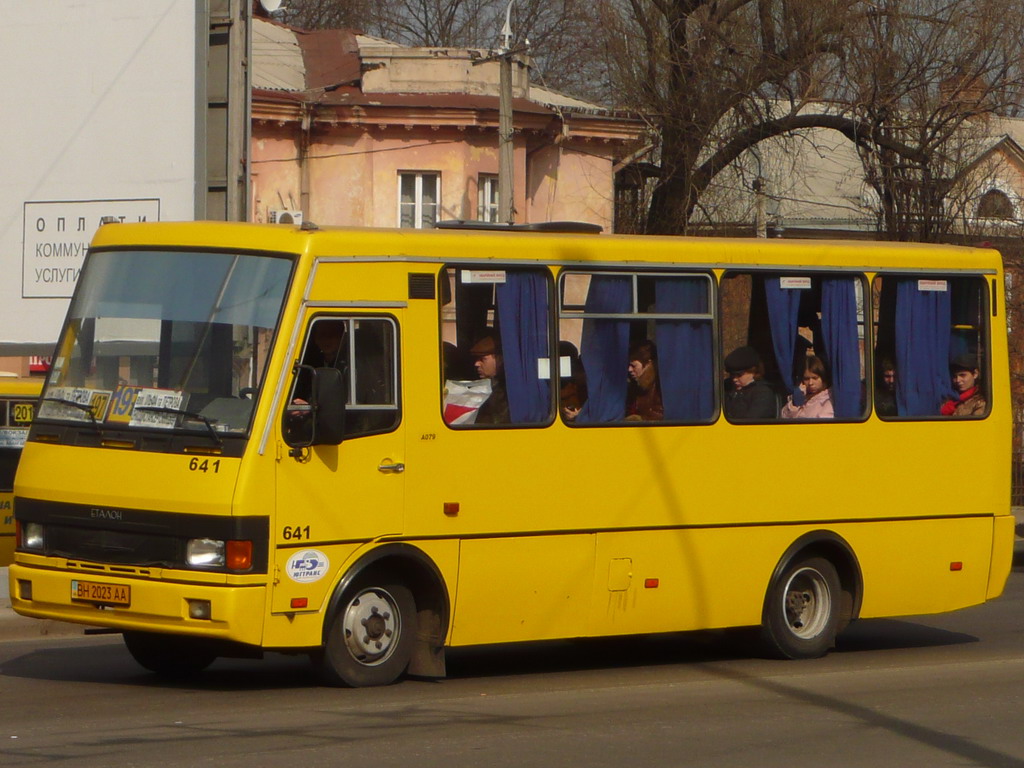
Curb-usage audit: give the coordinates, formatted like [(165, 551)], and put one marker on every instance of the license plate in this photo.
[(96, 592)]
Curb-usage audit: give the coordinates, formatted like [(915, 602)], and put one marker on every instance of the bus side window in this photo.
[(645, 345), (931, 346), (496, 347), (802, 335)]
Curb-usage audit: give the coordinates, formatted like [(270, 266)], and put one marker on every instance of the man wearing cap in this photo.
[(970, 400), (486, 356), (751, 398)]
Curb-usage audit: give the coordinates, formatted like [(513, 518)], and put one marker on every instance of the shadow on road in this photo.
[(109, 663)]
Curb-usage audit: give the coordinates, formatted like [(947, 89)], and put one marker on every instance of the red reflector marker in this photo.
[(650, 583), (300, 602), (451, 508), (956, 565)]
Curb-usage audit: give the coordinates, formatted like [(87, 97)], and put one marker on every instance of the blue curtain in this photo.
[(523, 321), (604, 350), (842, 348), (783, 314), (922, 349), (685, 364)]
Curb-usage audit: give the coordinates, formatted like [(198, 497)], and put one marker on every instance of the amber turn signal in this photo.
[(239, 555)]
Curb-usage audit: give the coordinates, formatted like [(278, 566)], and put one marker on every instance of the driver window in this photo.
[(364, 349)]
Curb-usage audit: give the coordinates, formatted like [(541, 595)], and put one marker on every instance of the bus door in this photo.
[(333, 498)]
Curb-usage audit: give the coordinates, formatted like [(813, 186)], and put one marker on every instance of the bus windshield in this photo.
[(173, 341)]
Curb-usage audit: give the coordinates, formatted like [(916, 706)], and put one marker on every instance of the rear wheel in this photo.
[(371, 638), (169, 656), (801, 611)]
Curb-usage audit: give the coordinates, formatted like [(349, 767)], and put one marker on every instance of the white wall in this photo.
[(97, 118)]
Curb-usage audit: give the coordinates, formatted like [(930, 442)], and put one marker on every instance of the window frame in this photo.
[(443, 307), (865, 322), (487, 190), (350, 341), (985, 347), (417, 203), (712, 316)]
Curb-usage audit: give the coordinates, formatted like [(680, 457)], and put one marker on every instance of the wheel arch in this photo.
[(418, 572), (835, 549)]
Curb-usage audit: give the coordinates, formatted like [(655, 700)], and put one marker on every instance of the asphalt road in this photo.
[(937, 691)]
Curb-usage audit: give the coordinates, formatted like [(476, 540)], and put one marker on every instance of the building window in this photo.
[(995, 204), (487, 197), (419, 196)]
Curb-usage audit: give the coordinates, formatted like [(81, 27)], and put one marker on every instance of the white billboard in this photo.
[(99, 120)]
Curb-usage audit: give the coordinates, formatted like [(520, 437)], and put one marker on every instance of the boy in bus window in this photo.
[(486, 354), (966, 375), (750, 397), (885, 388), (643, 401)]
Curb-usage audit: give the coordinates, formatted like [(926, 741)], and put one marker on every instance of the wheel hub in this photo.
[(372, 626), (808, 603)]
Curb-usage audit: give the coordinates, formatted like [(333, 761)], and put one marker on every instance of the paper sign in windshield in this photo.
[(145, 397), (12, 437), (74, 404)]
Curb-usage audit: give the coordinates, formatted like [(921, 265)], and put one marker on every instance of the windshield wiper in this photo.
[(187, 414), (73, 404)]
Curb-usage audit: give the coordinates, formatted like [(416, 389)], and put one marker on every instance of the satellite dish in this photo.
[(270, 5)]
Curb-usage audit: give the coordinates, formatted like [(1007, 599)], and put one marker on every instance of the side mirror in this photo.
[(330, 394), (321, 420)]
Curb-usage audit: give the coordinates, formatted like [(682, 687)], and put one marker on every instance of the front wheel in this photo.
[(371, 638), (169, 656), (801, 611)]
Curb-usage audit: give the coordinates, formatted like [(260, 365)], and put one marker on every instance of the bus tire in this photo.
[(168, 656), (371, 637), (802, 610)]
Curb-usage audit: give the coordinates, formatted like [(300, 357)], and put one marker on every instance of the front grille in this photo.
[(116, 547), (112, 536)]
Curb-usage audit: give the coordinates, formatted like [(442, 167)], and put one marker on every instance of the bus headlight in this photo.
[(32, 536), (207, 552)]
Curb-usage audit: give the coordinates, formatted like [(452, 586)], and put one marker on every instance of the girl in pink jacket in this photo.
[(814, 384)]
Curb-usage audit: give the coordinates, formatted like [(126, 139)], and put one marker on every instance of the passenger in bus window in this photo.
[(885, 388), (814, 384), (750, 397), (486, 354), (966, 377), (643, 399), (573, 389)]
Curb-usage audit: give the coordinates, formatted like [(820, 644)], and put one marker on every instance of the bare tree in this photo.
[(718, 77), (900, 78), (928, 74)]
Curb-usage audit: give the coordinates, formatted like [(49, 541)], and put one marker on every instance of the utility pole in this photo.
[(506, 204), (506, 208)]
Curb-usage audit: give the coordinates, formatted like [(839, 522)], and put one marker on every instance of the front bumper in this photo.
[(157, 605)]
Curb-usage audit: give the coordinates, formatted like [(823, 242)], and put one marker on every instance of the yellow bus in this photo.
[(372, 445), (17, 405)]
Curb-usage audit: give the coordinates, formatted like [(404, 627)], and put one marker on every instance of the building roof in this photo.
[(328, 67)]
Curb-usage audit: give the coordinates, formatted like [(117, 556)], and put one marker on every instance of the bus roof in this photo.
[(453, 245)]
